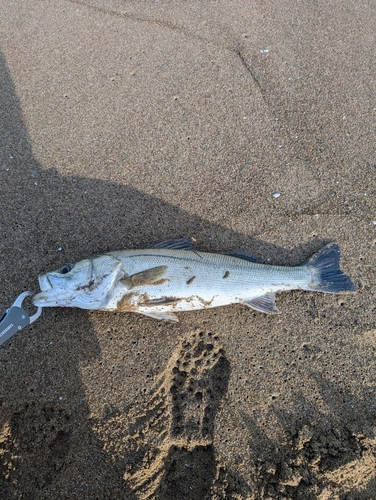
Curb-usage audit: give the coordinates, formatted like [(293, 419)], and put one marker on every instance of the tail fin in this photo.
[(326, 274)]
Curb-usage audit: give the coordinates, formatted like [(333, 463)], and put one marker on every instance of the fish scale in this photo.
[(245, 279)]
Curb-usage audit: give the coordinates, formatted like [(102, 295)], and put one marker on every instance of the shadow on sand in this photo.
[(48, 449)]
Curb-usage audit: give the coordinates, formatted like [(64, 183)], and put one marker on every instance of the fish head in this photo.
[(86, 284)]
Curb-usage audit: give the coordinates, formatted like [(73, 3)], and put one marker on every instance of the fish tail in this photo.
[(326, 273)]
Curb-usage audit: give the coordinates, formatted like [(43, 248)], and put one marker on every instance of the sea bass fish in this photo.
[(173, 276)]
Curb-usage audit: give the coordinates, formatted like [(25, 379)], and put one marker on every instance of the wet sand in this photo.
[(126, 123)]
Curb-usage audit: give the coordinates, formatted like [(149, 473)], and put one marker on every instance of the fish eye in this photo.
[(65, 269)]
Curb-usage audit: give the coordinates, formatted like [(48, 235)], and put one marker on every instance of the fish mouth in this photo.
[(39, 300), (44, 283), (42, 299)]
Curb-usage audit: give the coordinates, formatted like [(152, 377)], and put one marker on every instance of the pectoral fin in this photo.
[(264, 303), (166, 316), (147, 277), (162, 301)]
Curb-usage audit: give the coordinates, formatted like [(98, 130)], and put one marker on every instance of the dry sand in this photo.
[(127, 122)]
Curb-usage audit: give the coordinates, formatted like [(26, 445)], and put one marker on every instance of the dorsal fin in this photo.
[(171, 244), (244, 254)]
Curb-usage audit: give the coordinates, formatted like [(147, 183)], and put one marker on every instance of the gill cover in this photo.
[(86, 285)]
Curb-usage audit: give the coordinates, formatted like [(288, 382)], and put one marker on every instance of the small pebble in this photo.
[(59, 249), (264, 51), (276, 195)]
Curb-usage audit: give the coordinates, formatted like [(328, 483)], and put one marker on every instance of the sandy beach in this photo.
[(237, 124)]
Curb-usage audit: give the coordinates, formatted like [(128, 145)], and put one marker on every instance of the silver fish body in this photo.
[(173, 277)]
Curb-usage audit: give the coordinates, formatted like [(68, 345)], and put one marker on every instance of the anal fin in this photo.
[(147, 277), (264, 303), (165, 316)]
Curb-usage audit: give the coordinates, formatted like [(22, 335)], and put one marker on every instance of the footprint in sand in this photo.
[(34, 446), (168, 451)]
